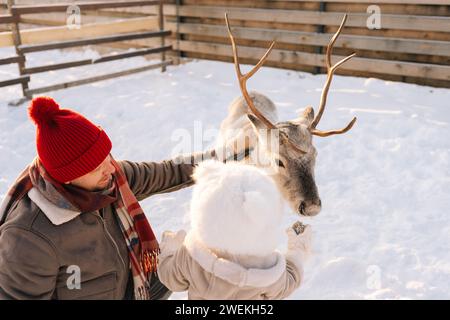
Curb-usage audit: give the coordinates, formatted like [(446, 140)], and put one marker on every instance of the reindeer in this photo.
[(292, 165)]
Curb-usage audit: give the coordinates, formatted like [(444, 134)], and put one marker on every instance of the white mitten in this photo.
[(299, 245), (171, 241)]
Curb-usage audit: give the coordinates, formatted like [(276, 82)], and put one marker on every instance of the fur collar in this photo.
[(231, 271), (56, 215)]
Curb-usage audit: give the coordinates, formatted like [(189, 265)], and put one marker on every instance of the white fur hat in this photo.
[(236, 208)]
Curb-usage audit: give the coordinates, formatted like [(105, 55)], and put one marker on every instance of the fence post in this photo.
[(320, 29), (178, 35), (161, 28), (15, 30)]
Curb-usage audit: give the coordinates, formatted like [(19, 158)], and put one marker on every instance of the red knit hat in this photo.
[(69, 145)]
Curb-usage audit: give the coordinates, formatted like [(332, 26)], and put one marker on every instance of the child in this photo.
[(229, 253)]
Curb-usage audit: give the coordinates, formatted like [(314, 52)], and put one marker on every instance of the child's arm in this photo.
[(171, 261), (299, 247)]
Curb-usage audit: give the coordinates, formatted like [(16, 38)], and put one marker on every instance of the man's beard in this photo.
[(108, 187)]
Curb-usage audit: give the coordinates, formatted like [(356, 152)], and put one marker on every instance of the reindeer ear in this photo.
[(269, 138), (308, 114), (259, 127), (256, 123)]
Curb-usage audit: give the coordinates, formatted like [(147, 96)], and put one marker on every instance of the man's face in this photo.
[(97, 179)]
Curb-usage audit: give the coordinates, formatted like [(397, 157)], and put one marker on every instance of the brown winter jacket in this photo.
[(41, 245)]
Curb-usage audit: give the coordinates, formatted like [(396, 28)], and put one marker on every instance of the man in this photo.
[(71, 226)]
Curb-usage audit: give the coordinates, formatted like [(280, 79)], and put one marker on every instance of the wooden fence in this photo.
[(413, 44), (41, 39), (23, 80)]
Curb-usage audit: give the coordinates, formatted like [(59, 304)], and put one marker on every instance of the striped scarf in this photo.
[(143, 248)]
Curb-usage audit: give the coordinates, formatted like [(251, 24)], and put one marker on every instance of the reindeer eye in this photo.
[(280, 163), (284, 135)]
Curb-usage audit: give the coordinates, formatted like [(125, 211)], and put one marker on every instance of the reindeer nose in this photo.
[(310, 208), (301, 208)]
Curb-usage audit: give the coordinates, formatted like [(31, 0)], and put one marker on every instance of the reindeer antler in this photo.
[(323, 99), (242, 78)]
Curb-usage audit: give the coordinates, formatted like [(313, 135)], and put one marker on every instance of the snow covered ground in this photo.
[(384, 230)]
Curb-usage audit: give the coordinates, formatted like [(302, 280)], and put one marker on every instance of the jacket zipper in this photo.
[(112, 239)]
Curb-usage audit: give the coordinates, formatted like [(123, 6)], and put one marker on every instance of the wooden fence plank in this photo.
[(427, 47), (440, 72), (97, 78), (27, 9), (59, 19), (105, 58), (57, 66), (10, 60), (14, 81), (420, 2), (6, 18), (389, 21), (91, 41), (134, 53), (52, 34)]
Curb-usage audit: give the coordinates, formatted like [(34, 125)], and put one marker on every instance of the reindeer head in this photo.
[(295, 156)]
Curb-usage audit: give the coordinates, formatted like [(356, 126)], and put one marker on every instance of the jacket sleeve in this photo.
[(171, 267), (28, 265), (288, 283), (148, 178)]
